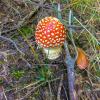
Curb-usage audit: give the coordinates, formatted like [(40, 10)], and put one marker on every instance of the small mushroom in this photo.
[(50, 35)]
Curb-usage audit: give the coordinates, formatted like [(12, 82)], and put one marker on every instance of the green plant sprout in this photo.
[(18, 74)]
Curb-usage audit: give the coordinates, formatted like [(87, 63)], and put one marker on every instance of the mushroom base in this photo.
[(53, 53)]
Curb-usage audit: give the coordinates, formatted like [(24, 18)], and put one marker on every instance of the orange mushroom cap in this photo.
[(50, 32)]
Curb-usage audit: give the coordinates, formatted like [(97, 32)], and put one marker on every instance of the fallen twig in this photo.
[(8, 39), (2, 94), (70, 70), (70, 62), (60, 87)]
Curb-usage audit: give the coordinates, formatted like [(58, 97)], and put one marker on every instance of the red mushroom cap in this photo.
[(50, 32)]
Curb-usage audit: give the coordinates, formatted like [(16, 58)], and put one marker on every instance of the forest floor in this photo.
[(25, 72)]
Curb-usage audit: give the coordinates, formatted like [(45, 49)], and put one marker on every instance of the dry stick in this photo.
[(60, 87), (50, 96), (2, 93), (70, 70), (70, 62), (8, 39), (65, 92)]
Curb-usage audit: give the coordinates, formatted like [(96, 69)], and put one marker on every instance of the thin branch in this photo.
[(65, 92), (70, 62), (2, 94), (59, 88), (8, 39), (71, 34), (50, 90)]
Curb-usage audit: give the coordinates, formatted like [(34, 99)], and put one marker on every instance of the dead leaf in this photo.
[(82, 59)]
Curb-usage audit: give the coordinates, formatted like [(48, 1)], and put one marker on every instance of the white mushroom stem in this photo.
[(53, 53)]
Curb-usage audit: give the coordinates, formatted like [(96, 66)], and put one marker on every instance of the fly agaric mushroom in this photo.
[(50, 35)]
